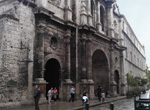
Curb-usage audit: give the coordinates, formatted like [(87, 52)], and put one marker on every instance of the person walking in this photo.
[(37, 94), (55, 94), (99, 90), (72, 91), (84, 94), (103, 96), (85, 100), (50, 93)]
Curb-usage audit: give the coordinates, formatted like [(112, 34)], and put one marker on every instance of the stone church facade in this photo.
[(60, 43)]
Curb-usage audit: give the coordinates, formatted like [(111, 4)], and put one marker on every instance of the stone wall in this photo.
[(17, 36), (67, 32), (135, 62)]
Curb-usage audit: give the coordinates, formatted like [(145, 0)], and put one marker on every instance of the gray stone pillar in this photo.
[(39, 71), (83, 14), (99, 25), (121, 39), (110, 21), (68, 11), (90, 17), (112, 82), (67, 55), (89, 59), (83, 57), (89, 69), (123, 92)]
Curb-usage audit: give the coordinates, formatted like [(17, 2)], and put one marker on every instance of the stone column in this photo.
[(68, 83), (122, 74), (67, 55), (77, 96), (39, 71), (110, 20), (90, 17), (112, 82), (84, 82), (83, 57), (121, 39), (40, 51), (83, 14), (99, 25), (89, 69), (68, 11), (89, 59)]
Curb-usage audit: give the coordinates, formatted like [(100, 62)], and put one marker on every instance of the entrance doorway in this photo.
[(117, 80), (100, 70), (52, 74)]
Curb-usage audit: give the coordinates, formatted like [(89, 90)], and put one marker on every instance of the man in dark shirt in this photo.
[(37, 94), (99, 90)]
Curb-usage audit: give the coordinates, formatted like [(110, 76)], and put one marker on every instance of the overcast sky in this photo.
[(137, 12)]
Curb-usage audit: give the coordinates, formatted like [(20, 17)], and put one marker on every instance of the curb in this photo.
[(97, 104)]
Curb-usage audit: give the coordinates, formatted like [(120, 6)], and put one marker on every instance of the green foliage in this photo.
[(147, 71), (144, 81), (133, 93), (132, 81), (135, 81)]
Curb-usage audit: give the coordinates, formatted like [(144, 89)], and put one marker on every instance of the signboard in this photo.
[(12, 83)]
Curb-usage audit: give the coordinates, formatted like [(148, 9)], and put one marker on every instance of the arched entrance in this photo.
[(100, 70), (116, 78), (52, 74)]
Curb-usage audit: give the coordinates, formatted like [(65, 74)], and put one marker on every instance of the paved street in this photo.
[(62, 105), (120, 103), (125, 104)]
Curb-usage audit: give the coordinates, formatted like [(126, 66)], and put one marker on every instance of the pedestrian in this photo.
[(103, 96), (85, 100), (55, 94), (72, 91), (37, 94), (99, 90), (84, 94), (50, 93)]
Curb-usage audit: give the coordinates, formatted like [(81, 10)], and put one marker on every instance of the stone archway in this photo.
[(116, 79), (52, 74), (100, 69)]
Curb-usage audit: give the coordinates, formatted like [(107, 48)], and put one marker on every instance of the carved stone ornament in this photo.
[(55, 2)]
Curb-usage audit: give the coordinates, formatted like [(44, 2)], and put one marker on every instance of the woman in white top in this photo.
[(50, 92)]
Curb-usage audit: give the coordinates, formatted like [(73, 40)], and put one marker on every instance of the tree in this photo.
[(147, 71)]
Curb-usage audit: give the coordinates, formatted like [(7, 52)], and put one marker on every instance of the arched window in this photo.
[(102, 16)]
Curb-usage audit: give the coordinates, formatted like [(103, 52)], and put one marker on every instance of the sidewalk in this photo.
[(62, 105)]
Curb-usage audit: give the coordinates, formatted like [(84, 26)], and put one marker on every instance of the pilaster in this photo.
[(68, 11), (122, 74), (99, 25), (90, 17), (112, 82), (39, 72), (83, 14), (83, 56), (67, 55), (110, 20)]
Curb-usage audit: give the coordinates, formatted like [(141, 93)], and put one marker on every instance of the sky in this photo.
[(137, 13)]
